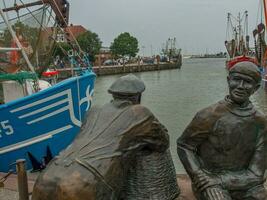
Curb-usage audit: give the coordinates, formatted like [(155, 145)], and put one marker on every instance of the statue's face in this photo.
[(241, 87)]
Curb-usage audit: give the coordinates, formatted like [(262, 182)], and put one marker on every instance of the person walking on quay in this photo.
[(223, 149), (122, 152)]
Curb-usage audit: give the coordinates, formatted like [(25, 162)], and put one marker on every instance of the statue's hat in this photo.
[(247, 68), (127, 85)]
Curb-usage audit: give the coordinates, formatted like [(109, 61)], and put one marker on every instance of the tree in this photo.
[(124, 45), (90, 43), (30, 34), (61, 49)]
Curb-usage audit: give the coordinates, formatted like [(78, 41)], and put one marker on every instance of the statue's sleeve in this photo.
[(195, 133), (146, 132), (254, 174)]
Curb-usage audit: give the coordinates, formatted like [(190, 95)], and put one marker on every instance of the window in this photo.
[(60, 37), (2, 34)]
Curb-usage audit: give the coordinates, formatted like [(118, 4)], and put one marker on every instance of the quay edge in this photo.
[(110, 70)]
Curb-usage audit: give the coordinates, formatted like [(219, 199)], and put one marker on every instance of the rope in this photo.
[(50, 14), (43, 10), (66, 23), (41, 26), (21, 16), (64, 30), (4, 3), (44, 28)]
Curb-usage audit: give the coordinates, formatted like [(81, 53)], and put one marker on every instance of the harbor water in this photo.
[(174, 96)]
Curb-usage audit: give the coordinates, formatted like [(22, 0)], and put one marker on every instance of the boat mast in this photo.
[(246, 33), (265, 15), (239, 32), (265, 10)]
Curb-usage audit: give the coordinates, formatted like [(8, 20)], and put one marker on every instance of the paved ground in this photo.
[(9, 192), (6, 194)]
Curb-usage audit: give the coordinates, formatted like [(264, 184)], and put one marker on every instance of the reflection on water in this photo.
[(174, 96)]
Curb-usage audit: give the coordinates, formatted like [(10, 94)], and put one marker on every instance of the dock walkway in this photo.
[(10, 191)]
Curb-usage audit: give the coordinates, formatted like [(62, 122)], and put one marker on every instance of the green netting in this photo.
[(20, 77)]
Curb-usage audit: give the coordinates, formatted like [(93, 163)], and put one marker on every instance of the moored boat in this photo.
[(259, 34), (42, 124), (37, 123), (237, 42)]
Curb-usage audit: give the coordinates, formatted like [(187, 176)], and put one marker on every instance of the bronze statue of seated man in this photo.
[(117, 143), (223, 149)]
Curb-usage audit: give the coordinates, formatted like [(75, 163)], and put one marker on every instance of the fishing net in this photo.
[(36, 30), (20, 77)]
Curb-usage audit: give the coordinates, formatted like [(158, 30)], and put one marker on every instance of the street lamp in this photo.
[(143, 50)]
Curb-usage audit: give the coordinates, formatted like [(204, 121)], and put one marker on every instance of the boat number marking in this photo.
[(6, 128)]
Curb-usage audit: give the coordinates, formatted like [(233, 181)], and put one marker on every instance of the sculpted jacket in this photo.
[(227, 140), (96, 164)]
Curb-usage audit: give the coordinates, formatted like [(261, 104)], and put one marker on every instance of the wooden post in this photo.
[(123, 65), (22, 180), (139, 61), (99, 63), (158, 61)]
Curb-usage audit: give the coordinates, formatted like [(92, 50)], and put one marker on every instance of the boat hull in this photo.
[(235, 60), (49, 119)]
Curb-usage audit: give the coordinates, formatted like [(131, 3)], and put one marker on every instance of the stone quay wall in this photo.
[(120, 69), (109, 70)]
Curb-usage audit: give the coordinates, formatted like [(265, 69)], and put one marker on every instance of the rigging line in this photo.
[(233, 17), (63, 50), (10, 29), (17, 11), (227, 27), (45, 28), (261, 13), (232, 27), (22, 16), (48, 20), (247, 32), (41, 25), (4, 3), (242, 18), (67, 26), (259, 6), (72, 46), (65, 32)]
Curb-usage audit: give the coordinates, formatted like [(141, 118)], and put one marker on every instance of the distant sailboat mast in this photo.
[(265, 13), (263, 47)]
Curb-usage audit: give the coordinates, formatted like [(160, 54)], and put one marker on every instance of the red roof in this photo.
[(76, 30)]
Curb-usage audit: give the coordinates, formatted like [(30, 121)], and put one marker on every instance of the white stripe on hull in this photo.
[(66, 92), (44, 108), (69, 107), (34, 140), (49, 115)]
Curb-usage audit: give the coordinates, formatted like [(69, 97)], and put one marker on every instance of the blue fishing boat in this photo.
[(37, 121), (45, 121)]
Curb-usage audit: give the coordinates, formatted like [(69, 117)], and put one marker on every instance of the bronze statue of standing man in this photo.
[(223, 149)]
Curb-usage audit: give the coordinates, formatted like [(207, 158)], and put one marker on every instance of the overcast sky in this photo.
[(198, 25)]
